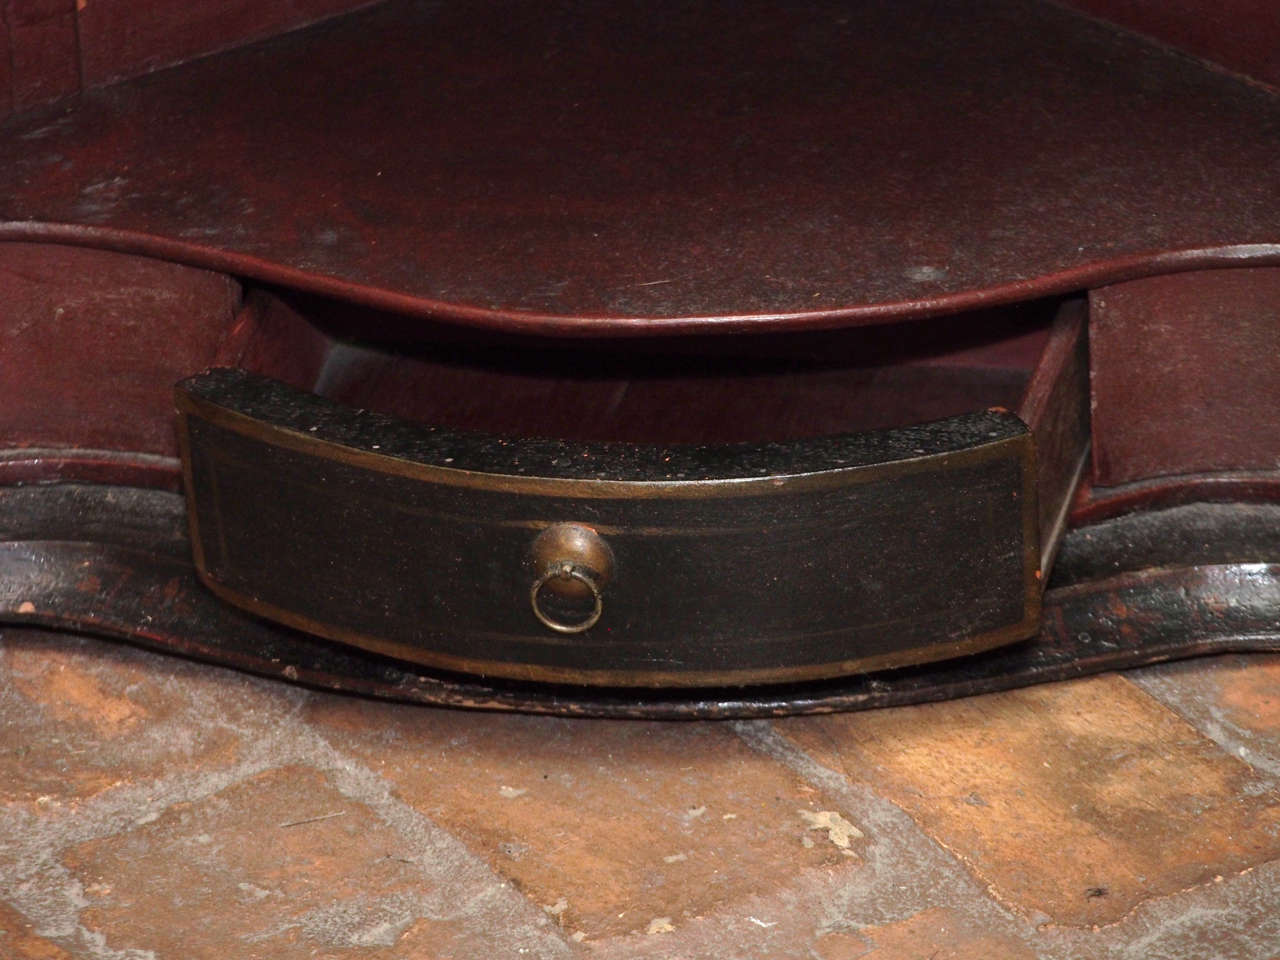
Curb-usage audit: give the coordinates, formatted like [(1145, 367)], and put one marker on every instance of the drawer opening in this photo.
[(704, 389)]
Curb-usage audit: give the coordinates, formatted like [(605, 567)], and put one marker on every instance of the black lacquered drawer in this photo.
[(681, 565)]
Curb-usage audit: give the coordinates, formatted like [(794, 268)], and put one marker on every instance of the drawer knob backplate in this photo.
[(573, 563)]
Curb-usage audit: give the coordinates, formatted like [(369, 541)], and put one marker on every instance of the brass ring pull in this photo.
[(567, 571)]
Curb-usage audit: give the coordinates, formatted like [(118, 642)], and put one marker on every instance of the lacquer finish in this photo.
[(613, 169)]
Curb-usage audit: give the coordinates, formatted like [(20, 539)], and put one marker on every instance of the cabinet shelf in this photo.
[(617, 169)]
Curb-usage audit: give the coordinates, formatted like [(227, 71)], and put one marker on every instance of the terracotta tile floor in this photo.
[(155, 808)]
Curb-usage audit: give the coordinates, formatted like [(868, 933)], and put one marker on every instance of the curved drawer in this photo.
[(611, 564)]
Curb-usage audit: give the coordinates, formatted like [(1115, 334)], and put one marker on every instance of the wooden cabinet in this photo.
[(799, 310)]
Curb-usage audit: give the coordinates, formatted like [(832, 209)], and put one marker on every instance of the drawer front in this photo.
[(612, 565)]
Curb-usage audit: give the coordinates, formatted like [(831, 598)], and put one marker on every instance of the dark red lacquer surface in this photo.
[(125, 38), (1241, 35), (1186, 370), (50, 49), (592, 169), (38, 61), (90, 345)]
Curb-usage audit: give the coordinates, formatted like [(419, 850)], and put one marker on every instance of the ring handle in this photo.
[(567, 571)]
